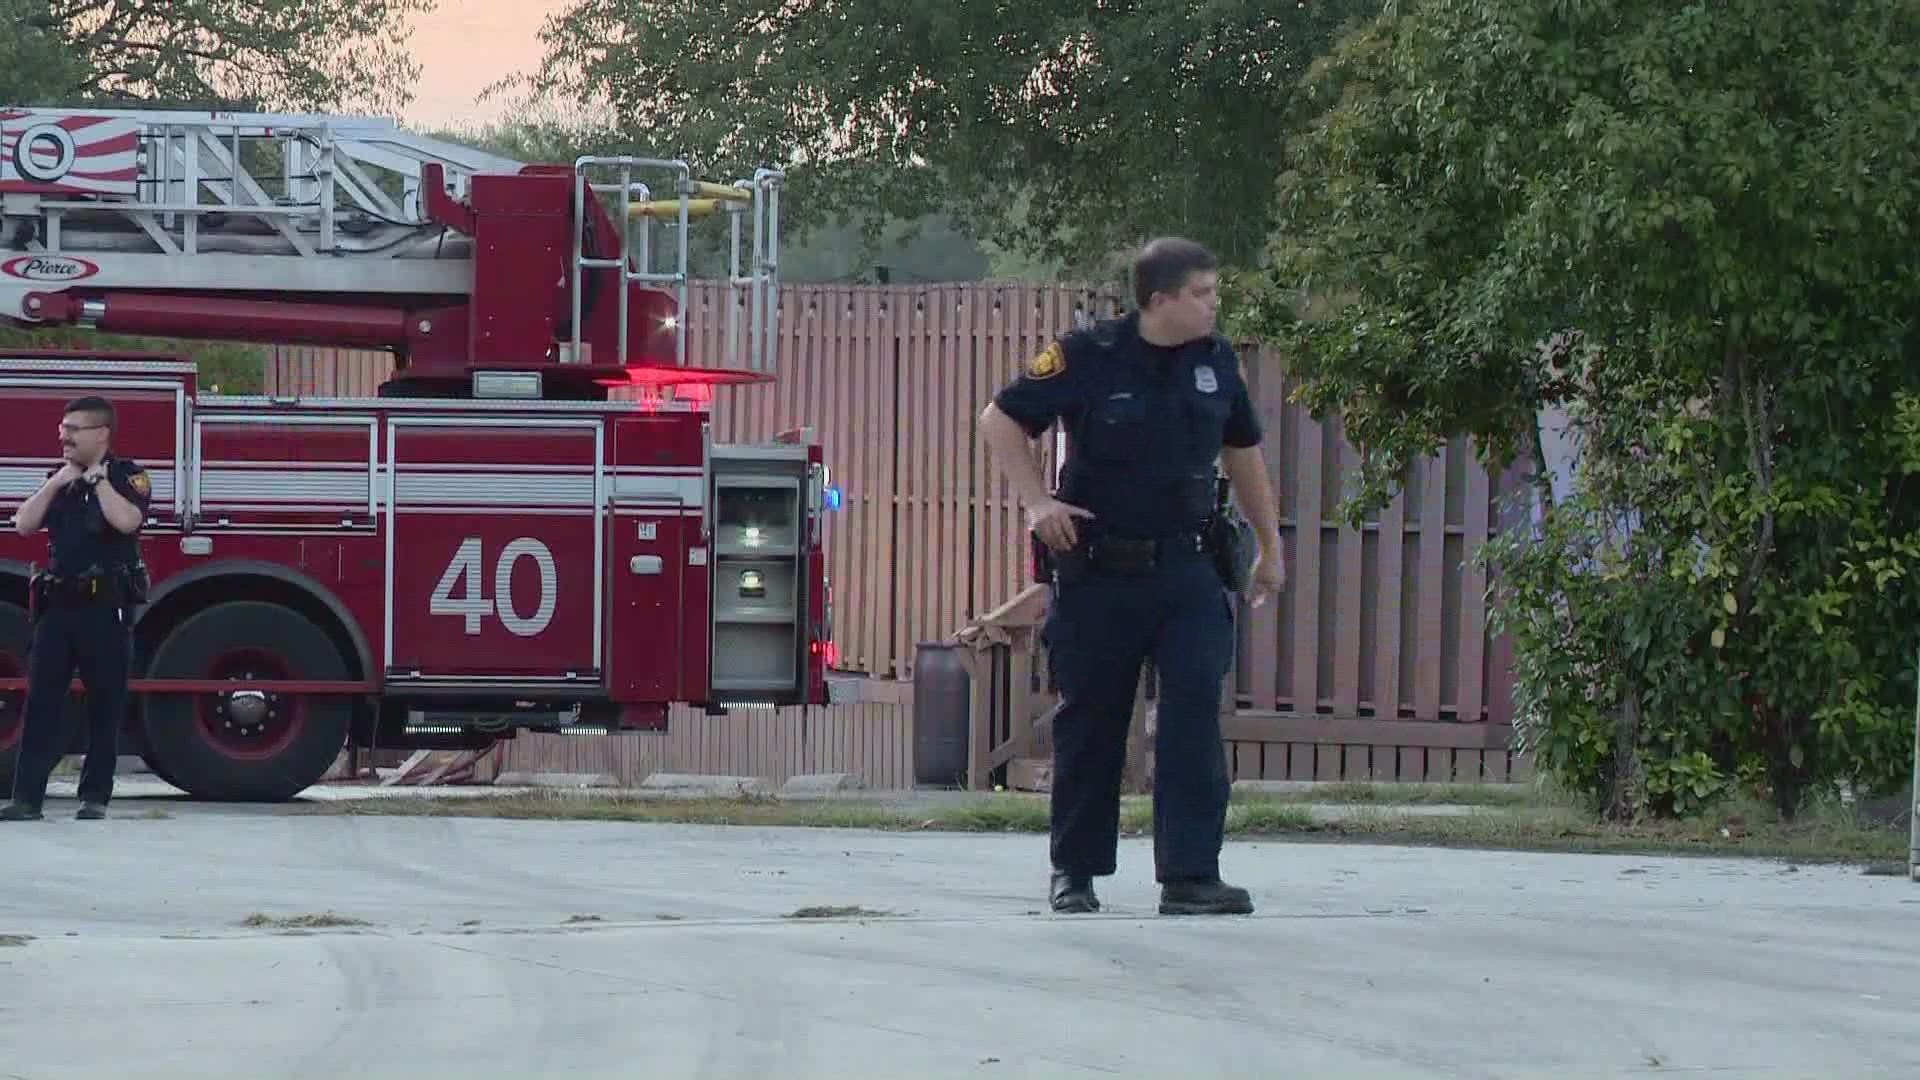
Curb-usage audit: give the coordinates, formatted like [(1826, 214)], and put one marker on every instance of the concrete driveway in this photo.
[(186, 946)]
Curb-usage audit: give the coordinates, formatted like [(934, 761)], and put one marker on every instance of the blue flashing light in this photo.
[(832, 498)]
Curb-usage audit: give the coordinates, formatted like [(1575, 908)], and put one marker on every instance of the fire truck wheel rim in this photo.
[(248, 724)]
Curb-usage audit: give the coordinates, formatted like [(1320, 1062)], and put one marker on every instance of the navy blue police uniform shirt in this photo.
[(79, 535), (1145, 423)]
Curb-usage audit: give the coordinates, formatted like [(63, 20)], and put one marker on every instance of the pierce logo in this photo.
[(48, 268)]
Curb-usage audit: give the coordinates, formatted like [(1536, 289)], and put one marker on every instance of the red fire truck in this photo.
[(529, 527)]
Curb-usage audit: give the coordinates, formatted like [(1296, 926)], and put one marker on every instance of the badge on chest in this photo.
[(1204, 380)]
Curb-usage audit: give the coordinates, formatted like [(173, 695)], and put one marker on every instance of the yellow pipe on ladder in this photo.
[(670, 208), (724, 192)]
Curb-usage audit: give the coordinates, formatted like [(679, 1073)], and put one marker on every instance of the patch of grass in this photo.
[(321, 921), (1245, 817), (1361, 794), (853, 911), (1562, 830), (1521, 819), (1259, 818), (1020, 814)]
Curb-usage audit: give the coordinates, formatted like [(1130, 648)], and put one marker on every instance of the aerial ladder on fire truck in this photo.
[(348, 231), (530, 525)]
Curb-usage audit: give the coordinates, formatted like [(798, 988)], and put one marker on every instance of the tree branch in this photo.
[(170, 48), (1758, 414)]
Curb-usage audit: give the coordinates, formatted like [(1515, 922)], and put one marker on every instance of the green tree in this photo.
[(1693, 226), (35, 60), (266, 54), (1120, 120)]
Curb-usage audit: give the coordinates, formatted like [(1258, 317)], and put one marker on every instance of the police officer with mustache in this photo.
[(92, 507)]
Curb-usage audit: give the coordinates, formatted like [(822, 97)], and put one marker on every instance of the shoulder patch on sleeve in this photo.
[(1049, 362), (139, 482)]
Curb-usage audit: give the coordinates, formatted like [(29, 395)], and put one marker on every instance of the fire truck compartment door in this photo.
[(762, 518), (153, 411), (644, 653), (496, 549)]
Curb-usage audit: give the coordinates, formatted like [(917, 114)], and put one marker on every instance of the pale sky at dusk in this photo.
[(467, 45)]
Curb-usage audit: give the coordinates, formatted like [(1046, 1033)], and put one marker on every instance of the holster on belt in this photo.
[(1042, 559), (95, 587), (1229, 539), (1230, 542)]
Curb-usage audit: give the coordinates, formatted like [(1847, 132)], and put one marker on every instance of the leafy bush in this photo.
[(1690, 226)]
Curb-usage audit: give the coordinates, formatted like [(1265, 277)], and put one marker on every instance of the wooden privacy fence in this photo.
[(1374, 663)]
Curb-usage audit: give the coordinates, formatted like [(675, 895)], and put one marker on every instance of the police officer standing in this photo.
[(92, 507), (1150, 403)]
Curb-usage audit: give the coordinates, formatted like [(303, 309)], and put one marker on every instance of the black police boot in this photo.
[(92, 811), (1213, 897), (1072, 893), (19, 811)]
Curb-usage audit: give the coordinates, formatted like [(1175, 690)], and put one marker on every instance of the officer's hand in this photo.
[(69, 472), (98, 472), (1269, 577), (1053, 520)]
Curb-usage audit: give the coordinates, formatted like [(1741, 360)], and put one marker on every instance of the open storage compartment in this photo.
[(758, 573)]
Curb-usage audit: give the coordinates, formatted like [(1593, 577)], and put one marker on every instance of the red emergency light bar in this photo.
[(658, 376)]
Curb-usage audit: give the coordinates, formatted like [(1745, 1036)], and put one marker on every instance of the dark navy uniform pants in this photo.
[(97, 641), (1100, 629)]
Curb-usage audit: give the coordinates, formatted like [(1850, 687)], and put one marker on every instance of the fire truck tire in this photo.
[(16, 630), (246, 747)]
